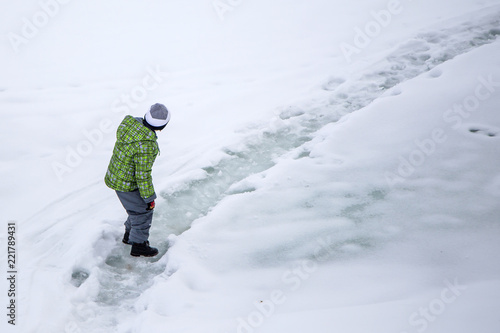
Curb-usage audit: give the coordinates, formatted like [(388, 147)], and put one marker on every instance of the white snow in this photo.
[(300, 188)]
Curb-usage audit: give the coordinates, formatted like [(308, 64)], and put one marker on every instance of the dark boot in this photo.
[(125, 237), (143, 249)]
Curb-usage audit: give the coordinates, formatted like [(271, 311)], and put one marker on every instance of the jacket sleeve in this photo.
[(143, 160)]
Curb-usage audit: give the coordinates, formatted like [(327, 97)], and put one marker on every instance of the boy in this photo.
[(129, 174)]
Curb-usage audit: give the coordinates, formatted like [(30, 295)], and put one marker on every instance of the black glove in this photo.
[(151, 205)]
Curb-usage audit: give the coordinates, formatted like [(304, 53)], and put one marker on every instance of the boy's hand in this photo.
[(151, 205)]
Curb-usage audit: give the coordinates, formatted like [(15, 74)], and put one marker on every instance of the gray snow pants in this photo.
[(139, 217)]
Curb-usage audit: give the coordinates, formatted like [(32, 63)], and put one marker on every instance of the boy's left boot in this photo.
[(125, 237)]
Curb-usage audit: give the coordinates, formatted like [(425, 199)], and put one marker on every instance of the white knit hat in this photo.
[(158, 116)]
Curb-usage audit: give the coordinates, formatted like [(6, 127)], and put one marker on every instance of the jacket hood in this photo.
[(132, 130)]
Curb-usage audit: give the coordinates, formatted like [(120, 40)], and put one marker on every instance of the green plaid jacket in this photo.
[(133, 157)]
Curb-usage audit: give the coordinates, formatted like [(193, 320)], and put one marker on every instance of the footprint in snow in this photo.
[(484, 131), (79, 276), (333, 83), (435, 73)]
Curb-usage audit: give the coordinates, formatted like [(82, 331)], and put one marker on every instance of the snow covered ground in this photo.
[(330, 166)]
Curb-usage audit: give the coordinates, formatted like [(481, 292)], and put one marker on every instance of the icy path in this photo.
[(120, 279)]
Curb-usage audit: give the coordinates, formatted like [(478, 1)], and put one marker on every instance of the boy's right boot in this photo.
[(143, 249)]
